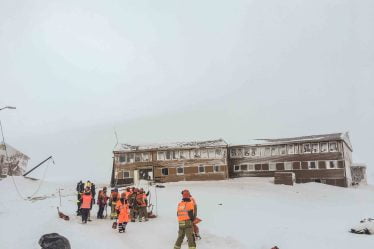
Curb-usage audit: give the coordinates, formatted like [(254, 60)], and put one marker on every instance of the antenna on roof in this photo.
[(115, 134)]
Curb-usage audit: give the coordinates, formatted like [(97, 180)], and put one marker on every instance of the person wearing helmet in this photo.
[(86, 201), (122, 209), (112, 203), (185, 215), (195, 220)]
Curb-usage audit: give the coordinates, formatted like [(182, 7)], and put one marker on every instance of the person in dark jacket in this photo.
[(80, 189), (101, 201)]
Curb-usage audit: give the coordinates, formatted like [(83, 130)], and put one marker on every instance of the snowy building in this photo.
[(184, 161), (318, 158), (12, 161)]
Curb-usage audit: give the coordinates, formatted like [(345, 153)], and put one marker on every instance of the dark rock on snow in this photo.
[(54, 241)]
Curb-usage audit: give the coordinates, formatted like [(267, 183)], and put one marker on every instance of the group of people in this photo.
[(129, 205)]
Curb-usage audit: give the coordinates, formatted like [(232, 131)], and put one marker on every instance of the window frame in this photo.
[(236, 170), (242, 166), (312, 149), (199, 167), (309, 146), (123, 174), (336, 146), (214, 168), (180, 167), (310, 163), (162, 171), (321, 146)]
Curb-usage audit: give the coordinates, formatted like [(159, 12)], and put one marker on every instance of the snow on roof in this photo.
[(175, 145), (312, 138)]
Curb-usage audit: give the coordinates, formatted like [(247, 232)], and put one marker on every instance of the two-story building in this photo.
[(184, 161), (318, 158)]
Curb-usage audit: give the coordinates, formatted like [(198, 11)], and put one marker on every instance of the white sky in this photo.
[(179, 70)]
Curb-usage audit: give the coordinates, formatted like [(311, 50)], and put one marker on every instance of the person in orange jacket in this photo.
[(141, 198), (196, 220), (123, 212), (86, 201), (185, 217)]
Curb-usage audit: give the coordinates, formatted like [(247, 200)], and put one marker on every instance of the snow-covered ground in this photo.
[(239, 213)]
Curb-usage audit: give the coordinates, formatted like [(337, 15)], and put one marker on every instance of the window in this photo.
[(290, 149), (216, 168), (274, 151), (246, 152), (211, 153), (145, 157), (201, 169), (204, 153), (184, 154), (251, 167), (161, 155), (165, 171), (253, 151), (296, 148), (168, 155), (236, 168), (267, 151), (306, 148), (130, 157), (126, 174), (333, 147), (138, 157), (175, 155), (312, 165), (261, 151), (272, 166), (324, 147), (282, 149), (288, 165), (180, 171), (122, 159), (315, 148), (218, 153), (196, 153), (233, 152), (239, 152), (332, 164), (244, 167)]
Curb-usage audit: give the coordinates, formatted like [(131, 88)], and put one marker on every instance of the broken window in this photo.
[(333, 147), (145, 157), (175, 155), (218, 153), (130, 157), (239, 152), (282, 149), (324, 147), (315, 148), (254, 151), (138, 157), (274, 151), (246, 152), (233, 152), (204, 153), (306, 148), (332, 164), (196, 153), (161, 155), (211, 153)]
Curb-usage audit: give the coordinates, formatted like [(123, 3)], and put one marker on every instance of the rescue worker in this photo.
[(112, 203), (133, 204), (185, 217), (80, 190), (123, 212), (142, 202), (196, 220), (101, 201), (128, 193), (86, 201)]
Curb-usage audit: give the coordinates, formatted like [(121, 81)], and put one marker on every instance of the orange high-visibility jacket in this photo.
[(128, 193), (86, 201), (141, 199), (124, 212), (182, 210)]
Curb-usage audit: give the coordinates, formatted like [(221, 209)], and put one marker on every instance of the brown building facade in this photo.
[(187, 161), (319, 158)]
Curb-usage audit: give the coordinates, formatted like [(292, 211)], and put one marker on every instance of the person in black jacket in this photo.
[(80, 189)]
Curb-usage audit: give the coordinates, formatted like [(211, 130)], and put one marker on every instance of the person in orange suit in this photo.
[(196, 220), (123, 214), (86, 201)]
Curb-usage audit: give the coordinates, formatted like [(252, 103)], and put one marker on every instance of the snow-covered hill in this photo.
[(239, 213)]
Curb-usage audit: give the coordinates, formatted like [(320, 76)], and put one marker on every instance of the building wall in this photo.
[(326, 167)]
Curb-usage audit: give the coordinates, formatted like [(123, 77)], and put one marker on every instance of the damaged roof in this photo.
[(312, 138), (175, 145)]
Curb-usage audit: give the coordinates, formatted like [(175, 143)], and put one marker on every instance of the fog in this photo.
[(159, 71)]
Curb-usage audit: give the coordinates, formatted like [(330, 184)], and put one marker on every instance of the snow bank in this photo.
[(237, 213)]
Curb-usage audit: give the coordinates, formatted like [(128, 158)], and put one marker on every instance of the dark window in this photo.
[(236, 168), (296, 165), (180, 171), (165, 171), (332, 164), (122, 159), (201, 169), (265, 166), (312, 165), (168, 155), (280, 166), (138, 157), (216, 168), (244, 167), (126, 174), (257, 166), (322, 165)]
